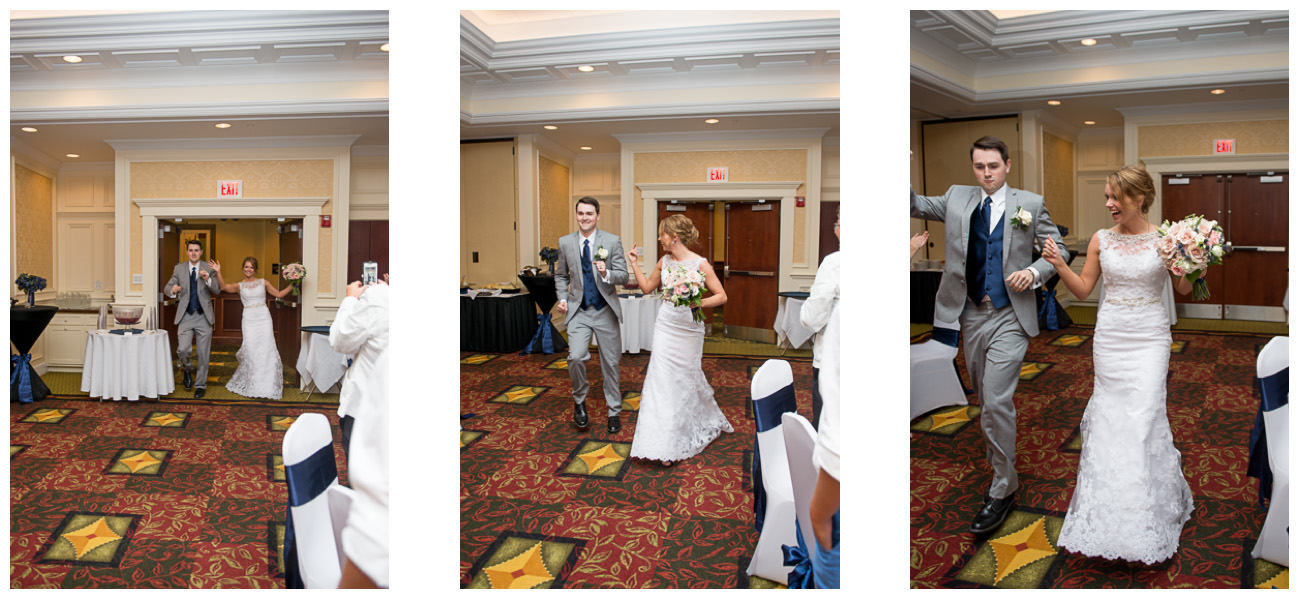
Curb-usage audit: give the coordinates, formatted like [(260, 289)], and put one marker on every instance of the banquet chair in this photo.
[(340, 502), (1271, 367), (772, 392), (800, 442), (935, 380), (311, 555)]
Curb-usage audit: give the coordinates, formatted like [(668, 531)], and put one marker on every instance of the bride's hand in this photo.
[(1051, 253), (216, 266)]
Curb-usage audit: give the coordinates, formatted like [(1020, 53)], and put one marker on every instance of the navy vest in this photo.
[(591, 297), (984, 262)]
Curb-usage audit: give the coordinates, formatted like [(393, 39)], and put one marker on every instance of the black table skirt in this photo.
[(924, 287), (26, 325), (496, 324)]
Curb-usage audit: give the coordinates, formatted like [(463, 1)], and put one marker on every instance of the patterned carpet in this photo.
[(1211, 403), (544, 505)]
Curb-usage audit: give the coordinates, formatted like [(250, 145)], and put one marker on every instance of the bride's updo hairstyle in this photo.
[(1133, 183), (682, 227), (249, 259)]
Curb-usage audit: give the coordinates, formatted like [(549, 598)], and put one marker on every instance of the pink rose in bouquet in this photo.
[(1189, 247), (683, 287)]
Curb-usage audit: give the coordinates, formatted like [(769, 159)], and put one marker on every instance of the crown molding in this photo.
[(622, 113), (935, 82), (376, 107), (306, 141)]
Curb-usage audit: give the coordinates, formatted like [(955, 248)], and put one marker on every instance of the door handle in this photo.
[(285, 304), (756, 273), (1256, 248)]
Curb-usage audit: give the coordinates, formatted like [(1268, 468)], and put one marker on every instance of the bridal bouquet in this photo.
[(1189, 247), (684, 287), (294, 272)]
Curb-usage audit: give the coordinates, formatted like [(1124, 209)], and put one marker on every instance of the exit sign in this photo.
[(1225, 146), (230, 189), (718, 174)]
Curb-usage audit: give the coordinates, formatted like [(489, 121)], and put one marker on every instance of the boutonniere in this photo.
[(1022, 218), (601, 253)]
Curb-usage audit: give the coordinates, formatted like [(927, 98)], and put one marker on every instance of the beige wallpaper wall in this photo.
[(1058, 179), (262, 179), (555, 208), (1197, 139), (33, 226), (744, 166)]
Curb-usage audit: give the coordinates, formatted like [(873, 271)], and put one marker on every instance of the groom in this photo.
[(194, 282), (988, 281), (590, 266)]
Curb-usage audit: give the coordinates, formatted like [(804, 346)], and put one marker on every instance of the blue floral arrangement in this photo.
[(549, 254), (30, 283)]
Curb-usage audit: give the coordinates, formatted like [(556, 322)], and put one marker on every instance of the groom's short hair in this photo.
[(587, 200), (195, 243), (989, 142)]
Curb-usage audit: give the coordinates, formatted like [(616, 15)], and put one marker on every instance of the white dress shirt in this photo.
[(821, 313), (590, 241)]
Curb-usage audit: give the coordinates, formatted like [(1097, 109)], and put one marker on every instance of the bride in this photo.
[(260, 373), (678, 415), (1131, 498)]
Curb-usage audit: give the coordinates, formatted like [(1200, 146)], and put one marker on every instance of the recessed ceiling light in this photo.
[(1054, 102), (29, 129), (586, 68), (1089, 122), (72, 59), (551, 127), (384, 48), (73, 155), (1217, 92), (710, 121), (585, 148), (1088, 42), (222, 125)]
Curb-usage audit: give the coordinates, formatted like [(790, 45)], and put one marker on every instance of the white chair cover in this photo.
[(318, 558), (1274, 536), (340, 501), (800, 443), (778, 518), (934, 380)]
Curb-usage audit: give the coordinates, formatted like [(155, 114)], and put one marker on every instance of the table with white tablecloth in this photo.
[(638, 327), (128, 366), (319, 366), (790, 332)]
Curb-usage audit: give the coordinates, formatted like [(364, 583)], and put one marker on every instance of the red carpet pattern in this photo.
[(148, 494), (1212, 402), (544, 505)]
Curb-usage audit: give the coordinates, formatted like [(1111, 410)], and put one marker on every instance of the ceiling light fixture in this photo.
[(710, 121), (1054, 102), (1088, 42), (550, 127), (73, 155), (1089, 122), (586, 68), (72, 59), (29, 129), (585, 148), (1217, 92), (222, 126), (384, 48)]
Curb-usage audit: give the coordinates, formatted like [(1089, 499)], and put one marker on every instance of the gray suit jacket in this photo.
[(955, 209), (181, 276), (568, 271)]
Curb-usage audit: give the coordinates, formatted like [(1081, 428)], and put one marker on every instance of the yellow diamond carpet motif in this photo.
[(521, 572), (47, 415), (600, 457), (952, 417), (1021, 548), (520, 394), (1281, 581), (632, 401), (478, 359), (165, 419), (140, 461), (1030, 370), (91, 536), (284, 422)]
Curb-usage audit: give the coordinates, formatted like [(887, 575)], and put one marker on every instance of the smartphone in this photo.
[(369, 272)]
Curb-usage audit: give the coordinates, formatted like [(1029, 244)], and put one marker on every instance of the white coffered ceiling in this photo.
[(650, 71), (973, 63), (174, 74)]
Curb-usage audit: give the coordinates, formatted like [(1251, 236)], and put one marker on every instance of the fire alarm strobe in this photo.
[(324, 220)]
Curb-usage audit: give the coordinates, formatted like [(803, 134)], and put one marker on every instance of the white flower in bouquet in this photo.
[(294, 273), (684, 287), (1189, 247)]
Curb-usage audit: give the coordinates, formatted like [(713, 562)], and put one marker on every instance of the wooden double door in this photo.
[(1252, 209), (750, 263), (286, 313)]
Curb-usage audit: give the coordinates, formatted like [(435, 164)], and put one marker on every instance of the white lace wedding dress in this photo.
[(678, 415), (260, 373), (1131, 499)]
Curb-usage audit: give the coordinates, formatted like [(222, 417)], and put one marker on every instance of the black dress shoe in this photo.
[(198, 392), (580, 415), (992, 514), (614, 425), (188, 381)]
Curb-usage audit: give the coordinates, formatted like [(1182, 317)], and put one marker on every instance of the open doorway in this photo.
[(273, 242)]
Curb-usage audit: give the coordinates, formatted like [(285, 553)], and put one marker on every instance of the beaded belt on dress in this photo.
[(1140, 301), (254, 305)]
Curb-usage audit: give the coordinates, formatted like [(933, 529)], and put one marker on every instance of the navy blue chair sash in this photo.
[(945, 336), (307, 480), (1047, 312), (767, 414), (801, 576), (1273, 392), (21, 374)]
